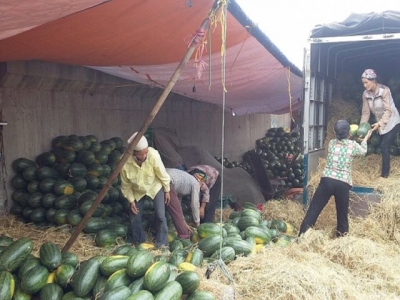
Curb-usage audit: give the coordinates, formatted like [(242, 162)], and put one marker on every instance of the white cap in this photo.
[(142, 144)]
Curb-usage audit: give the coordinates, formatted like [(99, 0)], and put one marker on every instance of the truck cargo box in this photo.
[(360, 42)]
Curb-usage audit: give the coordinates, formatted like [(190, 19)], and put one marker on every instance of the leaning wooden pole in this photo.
[(197, 38)]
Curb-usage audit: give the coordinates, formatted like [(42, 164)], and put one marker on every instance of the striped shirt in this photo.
[(340, 158), (186, 184)]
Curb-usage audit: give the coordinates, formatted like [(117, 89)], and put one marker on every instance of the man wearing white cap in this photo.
[(144, 175)]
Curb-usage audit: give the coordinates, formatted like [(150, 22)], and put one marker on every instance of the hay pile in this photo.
[(84, 245)]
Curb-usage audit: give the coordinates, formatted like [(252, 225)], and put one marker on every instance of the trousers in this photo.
[(215, 193), (175, 210), (329, 187), (161, 228), (387, 141)]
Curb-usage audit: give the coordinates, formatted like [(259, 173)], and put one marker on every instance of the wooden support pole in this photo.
[(142, 130)]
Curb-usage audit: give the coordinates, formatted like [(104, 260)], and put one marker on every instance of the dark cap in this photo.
[(342, 125), (342, 128)]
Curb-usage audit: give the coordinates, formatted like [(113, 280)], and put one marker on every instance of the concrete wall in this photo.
[(43, 100)]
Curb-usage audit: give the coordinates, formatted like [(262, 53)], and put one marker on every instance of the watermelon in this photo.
[(138, 263), (69, 258), (64, 274), (105, 237), (46, 185), (15, 254), (33, 186), (38, 215), (35, 279), (101, 157), (19, 182), (85, 278), (156, 277), (113, 263), (63, 187), (119, 292), (20, 196), (92, 182), (95, 147), (141, 295), (61, 216), (209, 229), (85, 157), (137, 285), (363, 129), (79, 183), (94, 225), (7, 286), (51, 214), (20, 164), (86, 142), (65, 156), (62, 169), (189, 280), (30, 173), (45, 159), (27, 264), (50, 256), (195, 257), (51, 291), (57, 141), (77, 170), (353, 130), (72, 143), (35, 199), (172, 291), (117, 279)]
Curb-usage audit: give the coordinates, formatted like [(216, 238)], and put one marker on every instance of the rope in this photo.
[(290, 94), (220, 263)]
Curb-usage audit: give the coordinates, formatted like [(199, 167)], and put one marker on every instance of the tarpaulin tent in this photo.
[(144, 41)]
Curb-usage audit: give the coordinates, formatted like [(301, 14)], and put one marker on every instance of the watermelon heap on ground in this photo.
[(126, 273)]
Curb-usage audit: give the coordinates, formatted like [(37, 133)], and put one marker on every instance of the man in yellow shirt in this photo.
[(144, 175)]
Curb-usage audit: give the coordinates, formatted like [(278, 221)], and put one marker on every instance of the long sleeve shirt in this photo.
[(340, 158), (212, 175), (185, 184), (147, 179), (381, 104)]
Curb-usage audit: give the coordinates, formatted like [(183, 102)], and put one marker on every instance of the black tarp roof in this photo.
[(359, 24)]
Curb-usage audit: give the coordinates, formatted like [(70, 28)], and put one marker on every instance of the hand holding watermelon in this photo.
[(375, 126), (366, 138)]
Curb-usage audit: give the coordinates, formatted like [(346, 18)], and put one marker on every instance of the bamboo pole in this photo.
[(142, 130)]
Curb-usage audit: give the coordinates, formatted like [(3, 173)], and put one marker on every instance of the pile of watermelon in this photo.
[(244, 233), (127, 273), (281, 154), (61, 185)]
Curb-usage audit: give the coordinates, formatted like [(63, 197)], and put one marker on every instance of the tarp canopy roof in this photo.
[(359, 24), (144, 41)]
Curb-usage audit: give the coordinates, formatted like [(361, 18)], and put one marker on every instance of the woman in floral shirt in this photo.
[(336, 178)]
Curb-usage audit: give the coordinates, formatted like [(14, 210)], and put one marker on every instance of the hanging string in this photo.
[(220, 263), (290, 94)]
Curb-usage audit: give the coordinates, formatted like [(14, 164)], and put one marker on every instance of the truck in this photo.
[(360, 42)]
